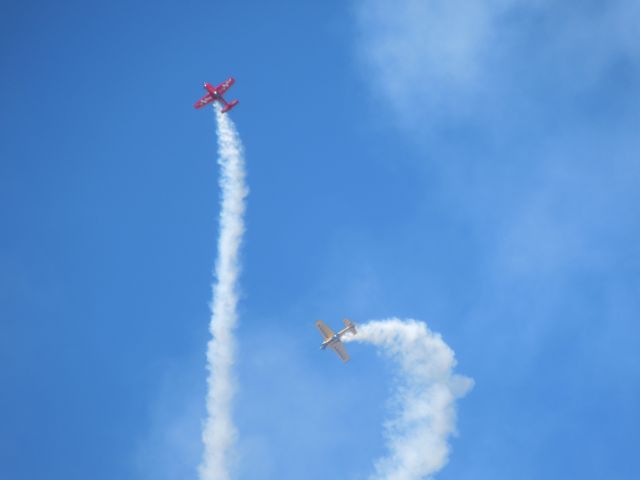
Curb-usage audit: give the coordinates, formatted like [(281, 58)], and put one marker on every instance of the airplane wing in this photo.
[(341, 351), (324, 330), (224, 86), (208, 98)]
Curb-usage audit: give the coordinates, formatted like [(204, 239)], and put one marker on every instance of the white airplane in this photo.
[(332, 340)]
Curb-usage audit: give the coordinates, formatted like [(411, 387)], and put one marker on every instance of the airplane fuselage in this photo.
[(330, 341), (336, 337), (213, 91)]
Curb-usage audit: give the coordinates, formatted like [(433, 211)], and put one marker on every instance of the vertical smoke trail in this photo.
[(219, 432), (417, 436)]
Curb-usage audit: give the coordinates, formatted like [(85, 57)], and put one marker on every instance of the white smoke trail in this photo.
[(425, 416), (219, 431)]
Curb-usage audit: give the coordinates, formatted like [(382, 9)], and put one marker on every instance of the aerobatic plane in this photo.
[(333, 340), (214, 94)]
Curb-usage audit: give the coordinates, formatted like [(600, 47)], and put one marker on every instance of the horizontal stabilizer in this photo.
[(349, 325), (229, 106)]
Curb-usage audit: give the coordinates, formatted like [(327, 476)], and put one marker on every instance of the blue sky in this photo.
[(472, 166)]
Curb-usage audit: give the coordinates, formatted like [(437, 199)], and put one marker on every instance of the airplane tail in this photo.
[(350, 325), (229, 106)]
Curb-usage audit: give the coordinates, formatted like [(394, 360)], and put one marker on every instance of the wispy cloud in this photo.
[(418, 51), (426, 390), (440, 59), (553, 84), (219, 431), (171, 447)]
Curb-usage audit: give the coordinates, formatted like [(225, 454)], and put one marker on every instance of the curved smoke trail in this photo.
[(219, 432), (426, 389), (424, 399)]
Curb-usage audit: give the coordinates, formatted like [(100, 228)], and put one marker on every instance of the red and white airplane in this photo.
[(215, 94)]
